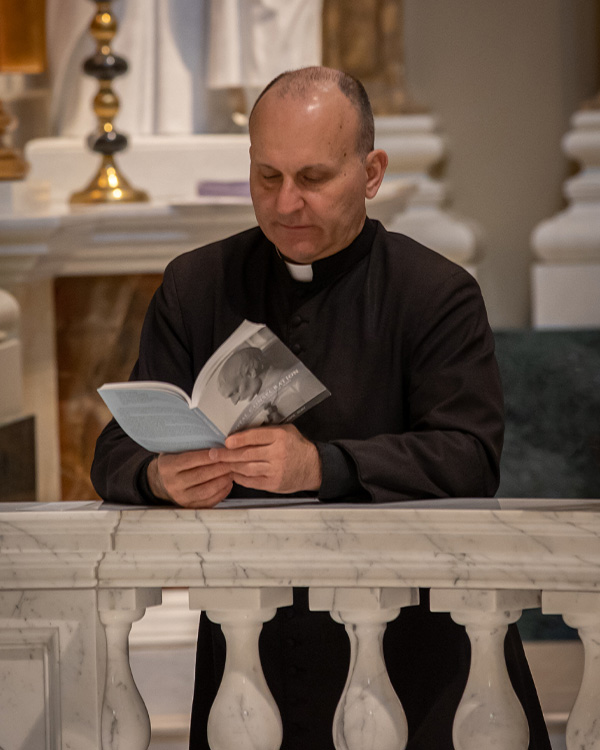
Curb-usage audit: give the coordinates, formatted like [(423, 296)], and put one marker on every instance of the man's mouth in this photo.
[(294, 227)]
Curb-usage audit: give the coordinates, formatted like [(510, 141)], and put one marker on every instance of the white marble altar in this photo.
[(72, 581), (43, 236)]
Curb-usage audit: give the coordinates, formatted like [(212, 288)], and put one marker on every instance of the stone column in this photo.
[(11, 371), (489, 713), (17, 428), (369, 713), (566, 276), (581, 610), (125, 723), (244, 714)]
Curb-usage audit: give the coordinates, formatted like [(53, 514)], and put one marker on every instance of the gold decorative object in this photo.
[(12, 165), (108, 185), (366, 40), (22, 50)]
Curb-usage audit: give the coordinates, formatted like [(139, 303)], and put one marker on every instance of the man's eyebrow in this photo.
[(265, 165), (318, 166)]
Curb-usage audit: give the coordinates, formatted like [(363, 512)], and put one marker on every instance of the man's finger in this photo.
[(187, 460), (207, 495), (256, 436)]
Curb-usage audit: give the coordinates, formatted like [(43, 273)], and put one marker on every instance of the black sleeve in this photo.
[(339, 475), (118, 469)]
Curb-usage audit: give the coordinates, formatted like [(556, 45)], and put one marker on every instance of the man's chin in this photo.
[(296, 246), (301, 252)]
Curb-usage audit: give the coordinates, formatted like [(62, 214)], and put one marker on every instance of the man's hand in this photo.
[(275, 459), (191, 479)]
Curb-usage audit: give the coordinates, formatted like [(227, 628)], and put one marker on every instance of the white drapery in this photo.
[(176, 51)]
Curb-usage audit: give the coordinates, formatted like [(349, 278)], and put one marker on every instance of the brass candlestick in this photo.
[(22, 50), (12, 164), (108, 185)]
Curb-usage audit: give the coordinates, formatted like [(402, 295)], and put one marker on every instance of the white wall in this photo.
[(504, 78)]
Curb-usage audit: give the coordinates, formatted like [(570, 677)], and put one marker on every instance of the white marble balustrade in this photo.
[(72, 581)]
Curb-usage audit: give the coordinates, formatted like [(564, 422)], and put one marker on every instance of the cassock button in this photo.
[(296, 348), (296, 321)]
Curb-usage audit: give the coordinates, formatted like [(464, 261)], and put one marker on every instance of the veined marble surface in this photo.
[(75, 576), (552, 546)]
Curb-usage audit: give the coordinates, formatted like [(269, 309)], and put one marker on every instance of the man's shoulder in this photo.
[(408, 262), (213, 254)]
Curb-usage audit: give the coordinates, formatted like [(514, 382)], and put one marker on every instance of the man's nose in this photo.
[(289, 198)]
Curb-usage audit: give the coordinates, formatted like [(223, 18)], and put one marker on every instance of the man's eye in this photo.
[(312, 179)]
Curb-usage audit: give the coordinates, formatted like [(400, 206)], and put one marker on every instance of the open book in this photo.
[(252, 379)]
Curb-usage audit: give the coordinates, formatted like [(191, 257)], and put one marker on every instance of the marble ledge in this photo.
[(135, 238), (308, 546)]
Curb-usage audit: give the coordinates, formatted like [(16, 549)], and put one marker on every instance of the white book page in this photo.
[(144, 385), (161, 420)]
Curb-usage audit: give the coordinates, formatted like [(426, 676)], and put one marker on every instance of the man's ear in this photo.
[(376, 164)]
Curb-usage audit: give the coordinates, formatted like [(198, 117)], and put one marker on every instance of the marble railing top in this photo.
[(551, 546)]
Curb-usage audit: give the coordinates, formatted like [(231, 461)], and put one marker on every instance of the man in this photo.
[(241, 376), (400, 337)]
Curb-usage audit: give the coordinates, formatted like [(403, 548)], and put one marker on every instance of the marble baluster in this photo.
[(125, 720), (489, 714), (244, 714), (369, 715), (581, 610)]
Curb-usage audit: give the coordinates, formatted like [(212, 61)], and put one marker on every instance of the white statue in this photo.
[(163, 43), (176, 50), (252, 41)]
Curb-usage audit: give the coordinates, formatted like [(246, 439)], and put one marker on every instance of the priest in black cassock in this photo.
[(400, 337)]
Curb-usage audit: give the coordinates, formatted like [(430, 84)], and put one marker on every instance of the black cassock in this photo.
[(400, 337)]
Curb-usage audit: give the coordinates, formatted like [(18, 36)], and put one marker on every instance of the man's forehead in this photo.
[(311, 129), (308, 103)]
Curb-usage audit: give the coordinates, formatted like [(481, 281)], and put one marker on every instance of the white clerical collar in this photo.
[(300, 272)]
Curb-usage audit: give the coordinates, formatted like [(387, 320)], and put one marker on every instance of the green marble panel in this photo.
[(552, 397)]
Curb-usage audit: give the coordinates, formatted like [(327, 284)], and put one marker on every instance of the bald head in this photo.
[(302, 83), (312, 163)]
